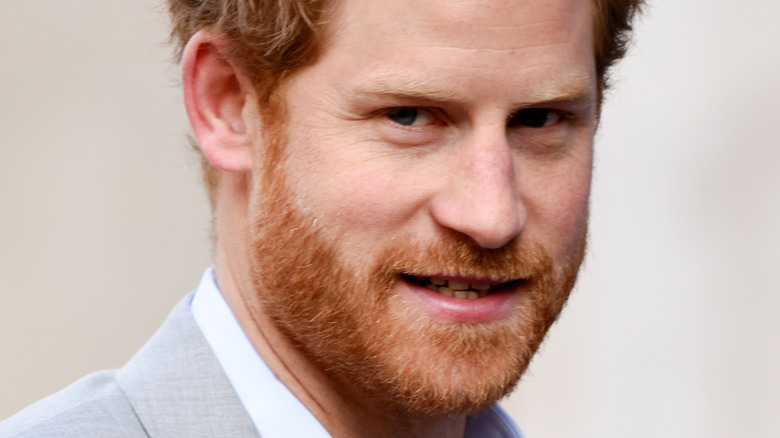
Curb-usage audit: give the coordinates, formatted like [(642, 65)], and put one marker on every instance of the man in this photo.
[(400, 195)]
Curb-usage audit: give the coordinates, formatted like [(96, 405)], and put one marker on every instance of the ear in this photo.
[(218, 99)]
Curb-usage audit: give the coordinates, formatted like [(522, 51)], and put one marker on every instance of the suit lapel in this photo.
[(177, 387)]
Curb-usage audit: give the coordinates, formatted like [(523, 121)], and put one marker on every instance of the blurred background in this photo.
[(671, 331)]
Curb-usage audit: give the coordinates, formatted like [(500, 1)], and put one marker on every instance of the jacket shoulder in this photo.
[(92, 406)]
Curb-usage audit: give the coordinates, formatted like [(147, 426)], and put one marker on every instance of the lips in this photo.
[(462, 299)]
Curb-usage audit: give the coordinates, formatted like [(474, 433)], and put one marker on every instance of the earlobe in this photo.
[(218, 99)]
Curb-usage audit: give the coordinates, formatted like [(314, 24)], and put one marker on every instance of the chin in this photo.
[(433, 368)]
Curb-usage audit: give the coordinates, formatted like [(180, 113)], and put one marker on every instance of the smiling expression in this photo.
[(421, 211)]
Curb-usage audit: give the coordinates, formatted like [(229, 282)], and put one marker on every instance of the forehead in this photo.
[(468, 23), (444, 43)]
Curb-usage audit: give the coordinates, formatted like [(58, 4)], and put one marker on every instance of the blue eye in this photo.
[(410, 116), (534, 118)]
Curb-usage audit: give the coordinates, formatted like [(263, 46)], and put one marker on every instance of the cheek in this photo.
[(364, 199), (572, 213), (558, 210), (356, 194)]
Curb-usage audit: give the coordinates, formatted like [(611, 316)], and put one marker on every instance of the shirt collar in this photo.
[(275, 411)]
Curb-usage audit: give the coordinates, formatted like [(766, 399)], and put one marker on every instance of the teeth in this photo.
[(447, 292), (458, 285), (456, 289)]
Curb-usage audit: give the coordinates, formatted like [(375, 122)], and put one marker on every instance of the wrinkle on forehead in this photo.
[(483, 24)]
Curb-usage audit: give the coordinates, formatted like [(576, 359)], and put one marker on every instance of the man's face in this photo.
[(435, 146)]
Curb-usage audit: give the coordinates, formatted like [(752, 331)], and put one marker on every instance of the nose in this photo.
[(482, 198)]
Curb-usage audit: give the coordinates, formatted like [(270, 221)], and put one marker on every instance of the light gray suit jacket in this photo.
[(173, 387)]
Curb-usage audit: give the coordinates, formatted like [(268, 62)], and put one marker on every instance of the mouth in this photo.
[(466, 289)]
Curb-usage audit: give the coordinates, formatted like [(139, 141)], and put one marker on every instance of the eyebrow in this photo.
[(571, 88), (409, 88)]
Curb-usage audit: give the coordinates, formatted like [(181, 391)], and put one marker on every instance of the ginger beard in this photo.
[(341, 307)]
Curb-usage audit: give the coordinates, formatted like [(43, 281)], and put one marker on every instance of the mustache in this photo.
[(456, 256)]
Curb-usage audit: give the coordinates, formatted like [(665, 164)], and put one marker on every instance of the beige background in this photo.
[(671, 332)]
